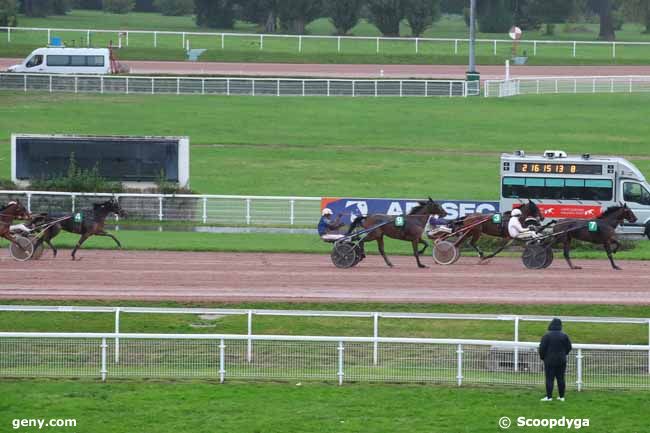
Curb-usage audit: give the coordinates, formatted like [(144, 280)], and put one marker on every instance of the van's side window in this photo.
[(635, 193), (35, 61), (53, 60)]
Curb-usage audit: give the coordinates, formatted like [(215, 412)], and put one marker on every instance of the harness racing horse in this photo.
[(482, 225), (13, 210), (411, 230), (601, 230), (87, 223)]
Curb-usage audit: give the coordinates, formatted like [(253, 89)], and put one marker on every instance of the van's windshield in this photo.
[(35, 61), (636, 193)]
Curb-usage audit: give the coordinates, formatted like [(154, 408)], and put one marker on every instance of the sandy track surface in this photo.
[(312, 278), (362, 71)]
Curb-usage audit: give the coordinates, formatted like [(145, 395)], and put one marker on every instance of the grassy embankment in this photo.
[(169, 47)]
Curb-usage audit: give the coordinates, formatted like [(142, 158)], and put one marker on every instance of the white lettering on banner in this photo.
[(451, 209), (466, 208), (485, 208), (362, 206), (395, 209)]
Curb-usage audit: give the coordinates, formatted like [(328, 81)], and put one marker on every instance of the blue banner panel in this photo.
[(350, 208)]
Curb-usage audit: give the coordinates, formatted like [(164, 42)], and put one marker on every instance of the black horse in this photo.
[(87, 223), (601, 230), (410, 229)]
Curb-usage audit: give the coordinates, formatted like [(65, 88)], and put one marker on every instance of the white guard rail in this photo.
[(236, 86), (372, 44), (118, 312), (556, 85), (282, 357), (206, 209)]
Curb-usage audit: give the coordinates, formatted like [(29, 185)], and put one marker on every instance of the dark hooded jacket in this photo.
[(555, 345)]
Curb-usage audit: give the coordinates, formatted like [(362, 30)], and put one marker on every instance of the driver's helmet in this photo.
[(516, 213), (436, 216), (326, 211)]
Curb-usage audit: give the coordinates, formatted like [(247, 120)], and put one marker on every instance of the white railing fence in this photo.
[(250, 314), (302, 43), (551, 85), (206, 209), (237, 86), (339, 359)]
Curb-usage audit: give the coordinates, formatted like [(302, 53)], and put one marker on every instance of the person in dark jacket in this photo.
[(326, 226), (553, 349)]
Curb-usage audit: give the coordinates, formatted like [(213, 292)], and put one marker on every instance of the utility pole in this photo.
[(472, 73)]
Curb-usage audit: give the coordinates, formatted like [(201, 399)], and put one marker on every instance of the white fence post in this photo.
[(222, 361), (160, 208), (249, 346), (534, 48), (516, 351), (495, 47), (261, 42), (459, 371), (25, 83), (101, 84), (375, 335), (155, 39), (574, 48), (292, 216), (29, 202), (456, 46), (9, 34), (72, 197), (127, 38), (248, 211), (338, 44), (300, 44), (88, 38), (127, 85), (117, 339), (613, 50), (178, 86), (377, 45), (183, 40), (340, 373), (205, 210), (50, 84), (49, 36), (416, 45), (579, 369), (223, 41), (103, 367), (228, 86), (153, 86)]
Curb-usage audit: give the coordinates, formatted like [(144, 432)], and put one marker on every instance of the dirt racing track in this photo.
[(180, 276)]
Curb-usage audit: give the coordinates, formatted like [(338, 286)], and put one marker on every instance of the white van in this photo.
[(58, 60)]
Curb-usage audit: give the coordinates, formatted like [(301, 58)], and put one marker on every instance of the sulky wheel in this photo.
[(22, 249), (549, 257), (344, 255), (535, 256), (445, 253)]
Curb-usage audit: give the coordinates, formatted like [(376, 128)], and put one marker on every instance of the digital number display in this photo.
[(544, 168)]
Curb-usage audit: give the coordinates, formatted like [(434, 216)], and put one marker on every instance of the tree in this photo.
[(604, 10), (262, 12), (386, 15), (344, 14), (551, 11), (174, 7), (494, 16), (88, 4), (35, 8), (144, 6), (637, 11), (118, 6), (421, 14), (59, 7), (218, 14), (8, 13), (522, 16), (296, 14)]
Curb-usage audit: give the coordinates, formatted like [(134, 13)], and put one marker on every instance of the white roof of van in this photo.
[(72, 51)]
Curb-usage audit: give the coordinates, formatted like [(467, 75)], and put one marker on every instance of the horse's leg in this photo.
[(498, 250), (425, 243), (82, 239), (54, 250), (103, 233), (380, 245), (476, 235), (608, 249), (567, 249), (617, 245), (415, 243)]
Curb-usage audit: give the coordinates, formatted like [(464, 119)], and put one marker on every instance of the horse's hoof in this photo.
[(422, 266), (617, 268), (575, 268)]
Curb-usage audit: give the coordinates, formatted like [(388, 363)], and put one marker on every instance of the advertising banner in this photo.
[(351, 208)]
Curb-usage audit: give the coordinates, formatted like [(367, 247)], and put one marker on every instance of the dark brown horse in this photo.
[(482, 224), (13, 210), (601, 230), (87, 223), (409, 228)]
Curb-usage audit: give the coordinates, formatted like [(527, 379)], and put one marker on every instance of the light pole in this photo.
[(472, 73)]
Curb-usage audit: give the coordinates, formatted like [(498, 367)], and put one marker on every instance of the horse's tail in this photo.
[(356, 223)]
